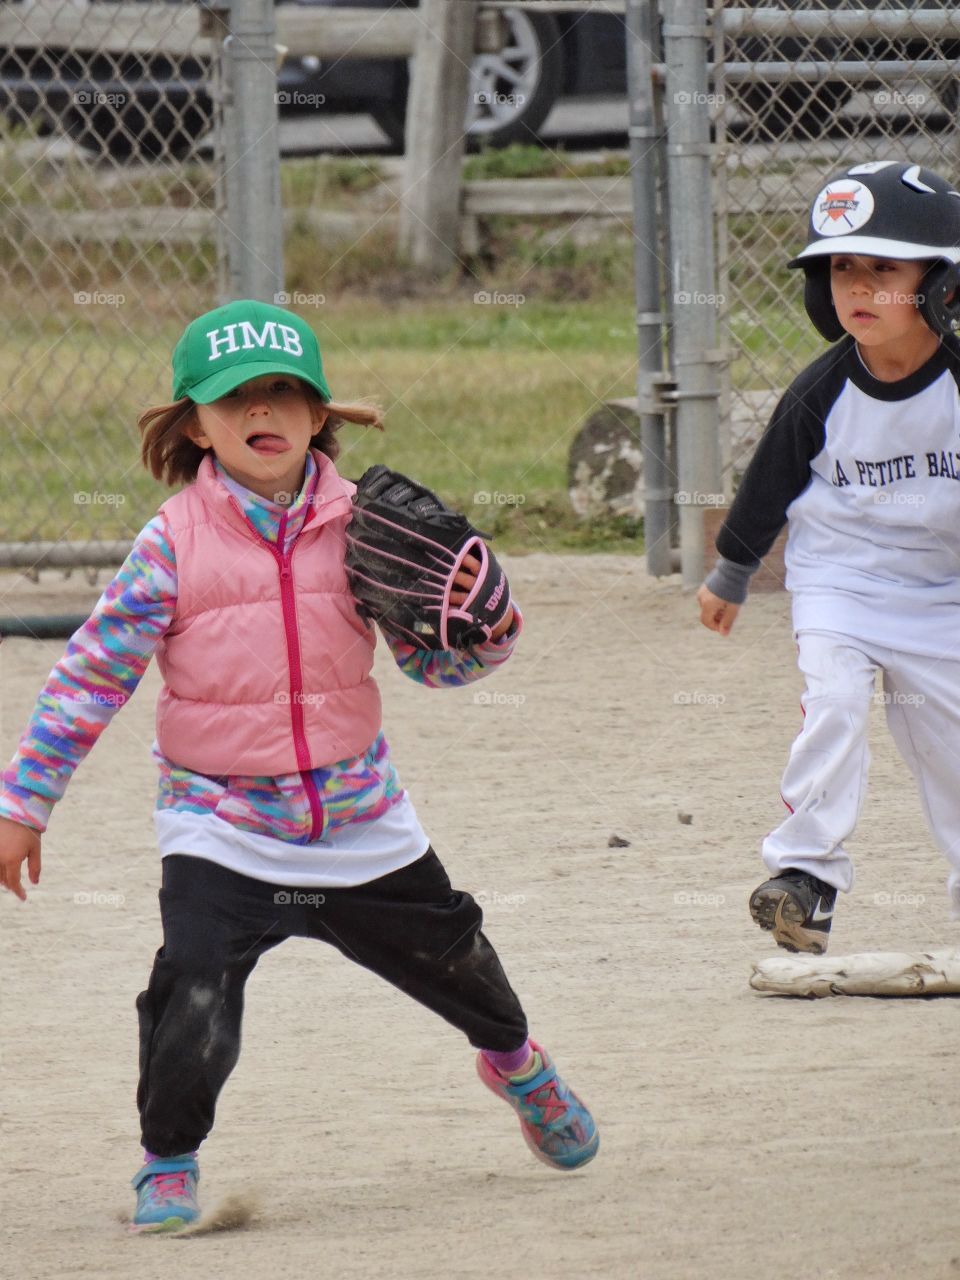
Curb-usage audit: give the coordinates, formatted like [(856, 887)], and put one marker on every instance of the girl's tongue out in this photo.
[(266, 443)]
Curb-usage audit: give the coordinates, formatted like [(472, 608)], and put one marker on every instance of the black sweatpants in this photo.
[(410, 927)]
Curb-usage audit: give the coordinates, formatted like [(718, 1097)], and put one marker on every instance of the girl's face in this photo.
[(876, 299), (260, 434)]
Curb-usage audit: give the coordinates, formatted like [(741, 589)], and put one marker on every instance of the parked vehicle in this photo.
[(158, 104)]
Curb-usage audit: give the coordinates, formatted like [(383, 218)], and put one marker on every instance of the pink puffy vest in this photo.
[(266, 665)]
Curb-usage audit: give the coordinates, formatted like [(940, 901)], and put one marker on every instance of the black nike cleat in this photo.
[(797, 908)]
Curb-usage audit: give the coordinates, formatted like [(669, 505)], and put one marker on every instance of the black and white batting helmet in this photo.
[(885, 209)]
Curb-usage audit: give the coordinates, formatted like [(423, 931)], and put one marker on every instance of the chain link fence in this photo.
[(108, 246), (801, 90), (113, 216)]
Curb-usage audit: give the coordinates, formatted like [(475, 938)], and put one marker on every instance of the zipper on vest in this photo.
[(289, 607)]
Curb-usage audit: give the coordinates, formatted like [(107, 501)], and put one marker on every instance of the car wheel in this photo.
[(139, 131), (511, 91)]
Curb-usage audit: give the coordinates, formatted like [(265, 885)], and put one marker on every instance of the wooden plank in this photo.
[(546, 196), (563, 6), (528, 197), (151, 225), (142, 28), (347, 33), (139, 224), (108, 28)]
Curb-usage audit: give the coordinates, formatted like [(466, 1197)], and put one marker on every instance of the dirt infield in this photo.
[(743, 1136)]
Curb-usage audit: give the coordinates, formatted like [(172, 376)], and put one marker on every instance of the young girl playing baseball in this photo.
[(279, 813), (862, 461)]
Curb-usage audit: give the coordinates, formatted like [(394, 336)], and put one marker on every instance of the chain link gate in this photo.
[(799, 91), (779, 98), (111, 240), (114, 229)]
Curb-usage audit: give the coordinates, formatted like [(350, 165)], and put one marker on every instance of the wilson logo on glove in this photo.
[(404, 552), (495, 598)]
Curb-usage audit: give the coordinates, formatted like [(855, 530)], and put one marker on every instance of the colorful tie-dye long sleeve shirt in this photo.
[(106, 658)]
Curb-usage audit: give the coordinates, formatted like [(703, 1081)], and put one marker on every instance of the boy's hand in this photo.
[(718, 615), (466, 578), (16, 843)]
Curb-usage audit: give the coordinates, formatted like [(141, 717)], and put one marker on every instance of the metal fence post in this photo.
[(645, 142), (251, 153), (693, 275)]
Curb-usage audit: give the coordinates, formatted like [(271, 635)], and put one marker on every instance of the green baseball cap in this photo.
[(226, 347)]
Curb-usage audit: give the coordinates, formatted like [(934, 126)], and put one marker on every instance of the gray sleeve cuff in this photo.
[(730, 581)]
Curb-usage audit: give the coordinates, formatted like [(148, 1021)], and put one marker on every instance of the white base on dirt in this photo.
[(869, 973)]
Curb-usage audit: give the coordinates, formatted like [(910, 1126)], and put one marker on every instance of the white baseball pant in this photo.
[(826, 775)]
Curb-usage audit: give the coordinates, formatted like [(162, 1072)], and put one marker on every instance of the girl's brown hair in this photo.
[(171, 456)]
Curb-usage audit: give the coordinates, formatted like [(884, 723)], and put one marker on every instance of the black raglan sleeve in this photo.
[(780, 469)]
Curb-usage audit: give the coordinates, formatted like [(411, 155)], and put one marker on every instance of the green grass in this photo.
[(479, 401), (326, 181), (482, 397)]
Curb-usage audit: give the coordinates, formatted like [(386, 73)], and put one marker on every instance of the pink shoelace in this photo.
[(172, 1186)]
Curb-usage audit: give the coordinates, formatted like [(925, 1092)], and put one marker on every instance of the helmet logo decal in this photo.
[(912, 179), (842, 207)]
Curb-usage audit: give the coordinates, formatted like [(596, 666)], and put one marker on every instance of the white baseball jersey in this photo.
[(867, 476)]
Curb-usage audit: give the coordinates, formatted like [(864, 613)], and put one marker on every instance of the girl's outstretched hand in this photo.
[(17, 843), (718, 615)]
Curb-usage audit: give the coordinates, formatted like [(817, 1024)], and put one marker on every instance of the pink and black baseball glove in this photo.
[(404, 551)]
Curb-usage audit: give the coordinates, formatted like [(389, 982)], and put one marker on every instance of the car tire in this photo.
[(137, 131), (534, 50)]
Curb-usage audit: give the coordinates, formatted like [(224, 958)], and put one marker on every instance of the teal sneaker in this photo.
[(556, 1126), (166, 1194)]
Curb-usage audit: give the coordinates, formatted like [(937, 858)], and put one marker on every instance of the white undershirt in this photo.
[(354, 854)]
